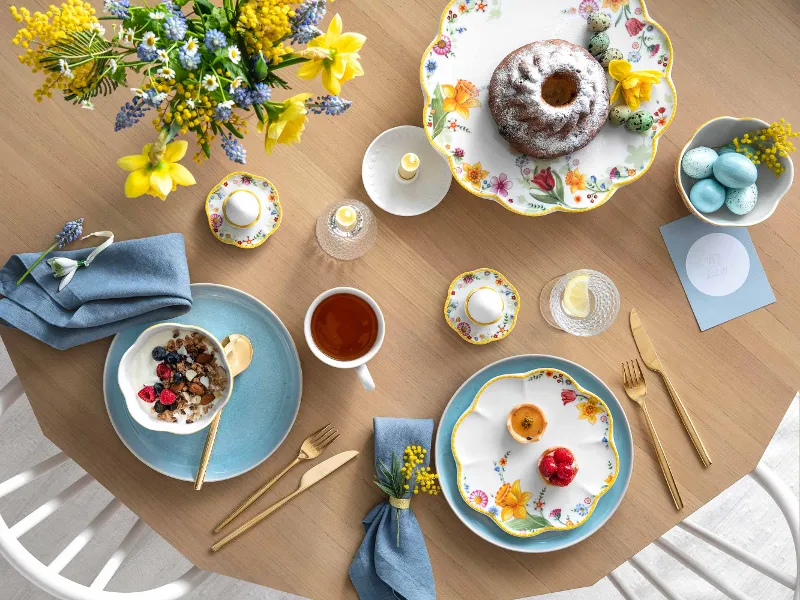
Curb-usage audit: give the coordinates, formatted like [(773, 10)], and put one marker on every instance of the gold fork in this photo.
[(311, 448), (636, 388)]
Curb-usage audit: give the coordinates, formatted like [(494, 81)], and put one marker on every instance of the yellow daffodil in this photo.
[(158, 180), (513, 500), (460, 98), (633, 85), (335, 54), (288, 126)]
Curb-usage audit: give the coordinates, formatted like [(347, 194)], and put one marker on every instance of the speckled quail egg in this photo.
[(742, 201), (598, 43), (619, 114), (697, 163), (609, 55), (598, 21), (639, 122)]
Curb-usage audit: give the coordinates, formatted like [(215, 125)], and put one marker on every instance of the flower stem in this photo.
[(37, 261)]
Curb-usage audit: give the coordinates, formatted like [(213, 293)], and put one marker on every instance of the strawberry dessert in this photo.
[(557, 466)]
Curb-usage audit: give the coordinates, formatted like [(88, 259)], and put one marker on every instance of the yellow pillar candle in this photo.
[(408, 166), (346, 218)]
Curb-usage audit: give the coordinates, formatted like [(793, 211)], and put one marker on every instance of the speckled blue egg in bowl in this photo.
[(719, 132)]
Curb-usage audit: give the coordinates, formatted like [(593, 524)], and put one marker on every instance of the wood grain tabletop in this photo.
[(731, 58)]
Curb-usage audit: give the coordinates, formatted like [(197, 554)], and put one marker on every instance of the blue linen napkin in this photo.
[(130, 282), (381, 570)]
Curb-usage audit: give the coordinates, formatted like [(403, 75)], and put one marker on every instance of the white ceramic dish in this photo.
[(137, 368), (719, 132)]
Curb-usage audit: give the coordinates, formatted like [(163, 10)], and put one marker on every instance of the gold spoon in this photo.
[(239, 353)]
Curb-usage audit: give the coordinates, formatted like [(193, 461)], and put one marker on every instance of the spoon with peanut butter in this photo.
[(239, 353)]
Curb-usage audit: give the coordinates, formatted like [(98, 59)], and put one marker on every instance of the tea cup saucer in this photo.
[(243, 210), (477, 326)]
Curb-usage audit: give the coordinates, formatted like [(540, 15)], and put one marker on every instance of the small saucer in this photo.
[(243, 210), (455, 306)]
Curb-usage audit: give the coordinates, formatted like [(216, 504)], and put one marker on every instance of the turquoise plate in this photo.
[(482, 525), (258, 416)]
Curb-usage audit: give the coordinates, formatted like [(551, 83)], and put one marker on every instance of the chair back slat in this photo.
[(654, 579), (24, 478), (49, 507), (84, 537), (9, 394), (116, 560)]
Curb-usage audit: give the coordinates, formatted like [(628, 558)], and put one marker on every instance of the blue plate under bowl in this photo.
[(482, 525), (261, 410)]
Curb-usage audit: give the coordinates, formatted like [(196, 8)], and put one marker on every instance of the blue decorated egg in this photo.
[(735, 171), (707, 195), (741, 202), (598, 43), (697, 163)]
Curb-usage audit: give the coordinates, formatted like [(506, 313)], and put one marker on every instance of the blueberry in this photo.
[(159, 353), (159, 388), (173, 357), (177, 377), (160, 408)]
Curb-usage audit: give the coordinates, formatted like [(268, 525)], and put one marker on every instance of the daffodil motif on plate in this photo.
[(455, 72), (499, 477), (455, 312)]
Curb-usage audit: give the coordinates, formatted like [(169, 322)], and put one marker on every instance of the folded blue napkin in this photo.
[(130, 282), (381, 570)]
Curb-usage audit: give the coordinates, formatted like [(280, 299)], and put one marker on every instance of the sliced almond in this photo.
[(190, 374)]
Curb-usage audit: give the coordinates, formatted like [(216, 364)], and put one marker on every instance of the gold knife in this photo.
[(650, 358), (308, 479)]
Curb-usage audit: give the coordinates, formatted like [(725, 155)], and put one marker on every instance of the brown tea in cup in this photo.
[(344, 326)]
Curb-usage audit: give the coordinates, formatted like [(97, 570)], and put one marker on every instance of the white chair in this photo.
[(48, 577)]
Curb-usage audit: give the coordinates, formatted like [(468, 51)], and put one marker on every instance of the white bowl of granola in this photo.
[(175, 378)]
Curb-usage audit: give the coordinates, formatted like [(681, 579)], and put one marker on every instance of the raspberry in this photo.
[(563, 456), (163, 371), (555, 481), (565, 472), (147, 393), (548, 466), (167, 397)]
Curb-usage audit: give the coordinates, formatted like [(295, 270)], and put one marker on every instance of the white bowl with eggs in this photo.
[(137, 368), (720, 132)]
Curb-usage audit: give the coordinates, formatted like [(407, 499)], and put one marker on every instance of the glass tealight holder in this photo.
[(346, 229), (603, 309)]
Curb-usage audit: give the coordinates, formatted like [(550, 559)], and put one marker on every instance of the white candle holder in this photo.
[(382, 181)]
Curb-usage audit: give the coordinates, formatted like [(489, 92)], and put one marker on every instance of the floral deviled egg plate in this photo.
[(243, 210), (455, 72), (481, 306), (507, 480)]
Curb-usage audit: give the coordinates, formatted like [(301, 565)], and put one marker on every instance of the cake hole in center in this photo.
[(559, 89)]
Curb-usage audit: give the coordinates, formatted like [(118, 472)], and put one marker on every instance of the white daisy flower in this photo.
[(149, 39), (210, 82), (87, 104), (236, 83), (163, 56), (190, 103), (98, 28), (138, 92), (191, 46), (126, 37), (165, 73), (159, 98), (112, 64), (226, 104), (157, 15), (234, 54), (65, 70)]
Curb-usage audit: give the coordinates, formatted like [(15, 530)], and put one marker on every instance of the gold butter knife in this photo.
[(308, 479), (653, 362)]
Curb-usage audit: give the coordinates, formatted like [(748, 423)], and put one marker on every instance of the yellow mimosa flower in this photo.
[(289, 125), (338, 60), (158, 180), (633, 85)]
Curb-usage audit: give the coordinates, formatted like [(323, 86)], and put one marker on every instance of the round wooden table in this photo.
[(737, 379)]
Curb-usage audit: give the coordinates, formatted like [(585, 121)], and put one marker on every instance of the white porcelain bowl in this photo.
[(719, 132), (137, 369)]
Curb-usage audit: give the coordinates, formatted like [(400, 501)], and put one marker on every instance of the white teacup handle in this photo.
[(366, 379)]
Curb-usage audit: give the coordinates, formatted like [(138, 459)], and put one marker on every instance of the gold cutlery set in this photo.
[(636, 389)]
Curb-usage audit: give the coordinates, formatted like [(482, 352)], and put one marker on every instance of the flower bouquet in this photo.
[(202, 68)]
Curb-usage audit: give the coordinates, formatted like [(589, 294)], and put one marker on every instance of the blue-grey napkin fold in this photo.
[(381, 570), (130, 282)]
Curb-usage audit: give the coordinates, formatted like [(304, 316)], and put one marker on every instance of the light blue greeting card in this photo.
[(719, 270)]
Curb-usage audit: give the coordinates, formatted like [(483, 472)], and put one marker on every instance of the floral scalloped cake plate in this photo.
[(499, 477), (455, 74), (253, 234), (455, 306)]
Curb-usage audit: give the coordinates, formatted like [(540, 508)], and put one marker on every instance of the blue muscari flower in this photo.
[(241, 96), (175, 27), (215, 40), (233, 149), (71, 232), (189, 61), (260, 93), (330, 105), (118, 8), (306, 17), (222, 112), (430, 66), (146, 53), (129, 115), (172, 7)]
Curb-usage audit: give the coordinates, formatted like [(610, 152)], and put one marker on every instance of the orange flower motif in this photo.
[(513, 500), (615, 5), (589, 410), (575, 180), (631, 172), (475, 174), (609, 480), (503, 462), (460, 98)]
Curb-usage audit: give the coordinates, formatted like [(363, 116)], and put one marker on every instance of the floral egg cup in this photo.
[(455, 72), (499, 477), (455, 306), (243, 210)]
